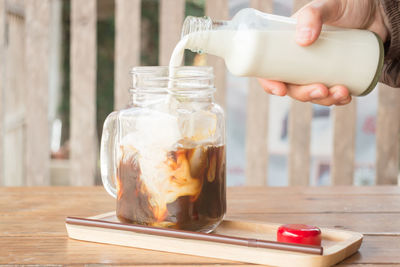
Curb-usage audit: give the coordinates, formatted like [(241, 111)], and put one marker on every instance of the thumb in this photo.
[(311, 17)]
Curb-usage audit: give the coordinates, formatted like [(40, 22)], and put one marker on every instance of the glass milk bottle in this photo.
[(163, 158), (263, 45)]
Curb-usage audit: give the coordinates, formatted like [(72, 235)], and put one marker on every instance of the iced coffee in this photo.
[(184, 191)]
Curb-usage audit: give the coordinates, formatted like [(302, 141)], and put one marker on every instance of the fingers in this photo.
[(311, 17), (309, 25), (273, 87), (308, 92), (338, 95), (320, 94), (315, 93)]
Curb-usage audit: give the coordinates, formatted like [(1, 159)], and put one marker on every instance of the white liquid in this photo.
[(345, 57)]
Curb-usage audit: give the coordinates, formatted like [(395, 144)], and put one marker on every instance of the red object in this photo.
[(299, 234)]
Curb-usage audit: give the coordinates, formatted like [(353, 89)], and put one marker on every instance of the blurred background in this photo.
[(14, 133)]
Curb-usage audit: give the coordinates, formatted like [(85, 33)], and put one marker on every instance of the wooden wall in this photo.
[(24, 96), (13, 93)]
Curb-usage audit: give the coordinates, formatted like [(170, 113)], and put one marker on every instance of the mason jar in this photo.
[(163, 158)]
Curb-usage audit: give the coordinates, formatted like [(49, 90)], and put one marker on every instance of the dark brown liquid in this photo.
[(197, 177)]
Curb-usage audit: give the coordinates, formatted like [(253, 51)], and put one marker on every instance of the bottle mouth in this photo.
[(197, 24), (176, 80)]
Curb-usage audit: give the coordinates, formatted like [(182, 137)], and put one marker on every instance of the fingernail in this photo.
[(344, 102), (304, 34), (276, 91), (337, 96), (316, 94)]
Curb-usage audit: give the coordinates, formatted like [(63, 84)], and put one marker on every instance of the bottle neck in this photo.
[(201, 35)]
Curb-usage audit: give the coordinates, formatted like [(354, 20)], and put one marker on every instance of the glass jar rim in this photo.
[(157, 79), (144, 69)]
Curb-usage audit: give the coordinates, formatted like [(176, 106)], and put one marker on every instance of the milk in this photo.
[(348, 57)]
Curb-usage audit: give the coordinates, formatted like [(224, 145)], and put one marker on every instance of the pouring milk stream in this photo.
[(263, 45)]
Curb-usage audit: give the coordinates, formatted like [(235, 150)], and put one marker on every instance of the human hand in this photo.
[(360, 14)]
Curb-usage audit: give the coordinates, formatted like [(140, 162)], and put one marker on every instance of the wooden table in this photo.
[(32, 227)]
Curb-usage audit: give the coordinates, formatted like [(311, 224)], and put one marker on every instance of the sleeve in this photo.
[(391, 68)]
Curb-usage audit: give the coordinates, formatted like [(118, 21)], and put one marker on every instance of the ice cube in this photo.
[(198, 126), (198, 161), (154, 130)]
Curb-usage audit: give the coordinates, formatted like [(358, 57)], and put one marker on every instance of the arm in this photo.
[(391, 68)]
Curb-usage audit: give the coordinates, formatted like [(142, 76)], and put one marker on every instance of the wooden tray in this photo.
[(337, 244)]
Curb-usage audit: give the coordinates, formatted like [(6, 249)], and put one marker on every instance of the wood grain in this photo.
[(45, 203), (2, 78), (365, 223), (218, 10), (344, 144), (377, 250), (257, 122), (387, 135), (15, 8), (65, 251), (32, 227), (172, 13), (14, 98), (256, 134), (300, 117), (335, 204), (83, 138), (309, 191), (127, 48), (37, 89)]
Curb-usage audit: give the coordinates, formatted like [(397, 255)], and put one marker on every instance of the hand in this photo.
[(360, 14)]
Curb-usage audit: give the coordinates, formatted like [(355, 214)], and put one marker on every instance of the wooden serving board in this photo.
[(337, 244)]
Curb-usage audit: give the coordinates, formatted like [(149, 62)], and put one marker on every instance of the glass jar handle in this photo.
[(108, 154)]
